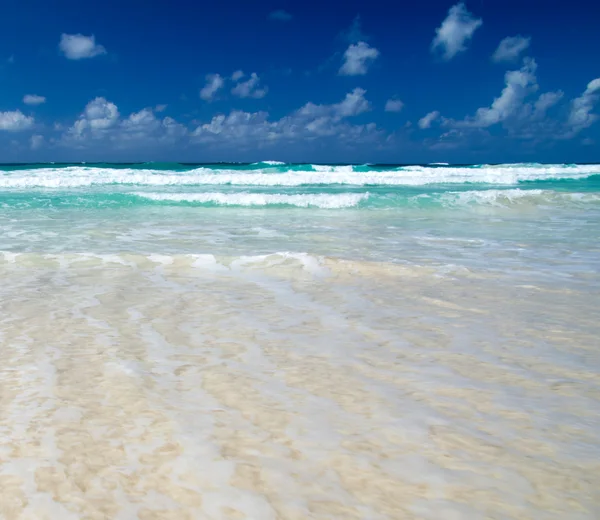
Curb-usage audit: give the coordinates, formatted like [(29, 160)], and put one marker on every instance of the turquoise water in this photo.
[(436, 214), (297, 185), (283, 341)]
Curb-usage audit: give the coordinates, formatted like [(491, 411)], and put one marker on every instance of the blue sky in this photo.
[(135, 80)]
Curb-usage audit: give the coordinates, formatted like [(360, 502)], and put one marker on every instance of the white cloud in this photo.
[(101, 122), (160, 108), (510, 48), (255, 129), (394, 105), (100, 127), (144, 127), (36, 141), (307, 123), (32, 99), (142, 122), (214, 82), (519, 84), (280, 15), (250, 88), (14, 121), (357, 59), (521, 118), (78, 46), (425, 122), (237, 75), (236, 124), (456, 30), (99, 116), (353, 104), (581, 116)]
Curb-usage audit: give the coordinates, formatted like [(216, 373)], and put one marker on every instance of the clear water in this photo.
[(300, 341)]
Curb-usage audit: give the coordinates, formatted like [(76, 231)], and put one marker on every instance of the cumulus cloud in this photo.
[(309, 122), (32, 99), (36, 141), (236, 123), (394, 105), (250, 88), (101, 128), (357, 59), (518, 85), (425, 122), (142, 122), (255, 129), (14, 121), (523, 118), (214, 82), (510, 48), (78, 46), (580, 115), (455, 32), (101, 122), (99, 116), (280, 15), (352, 105), (160, 108)]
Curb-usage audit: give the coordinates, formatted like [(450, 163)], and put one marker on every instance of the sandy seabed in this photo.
[(293, 387)]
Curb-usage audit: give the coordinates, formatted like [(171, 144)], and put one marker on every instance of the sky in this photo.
[(356, 81)]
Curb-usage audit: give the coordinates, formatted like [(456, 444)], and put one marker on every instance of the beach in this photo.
[(274, 341)]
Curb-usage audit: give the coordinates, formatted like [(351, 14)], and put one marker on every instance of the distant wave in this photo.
[(83, 176), (271, 163)]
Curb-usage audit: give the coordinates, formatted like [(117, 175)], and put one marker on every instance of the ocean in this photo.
[(290, 341)]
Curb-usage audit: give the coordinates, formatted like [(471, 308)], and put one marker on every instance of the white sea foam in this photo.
[(319, 200), (298, 261), (78, 176)]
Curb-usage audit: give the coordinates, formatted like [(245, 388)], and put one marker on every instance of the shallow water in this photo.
[(404, 360)]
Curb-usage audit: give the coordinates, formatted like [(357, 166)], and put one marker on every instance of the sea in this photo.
[(290, 341)]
